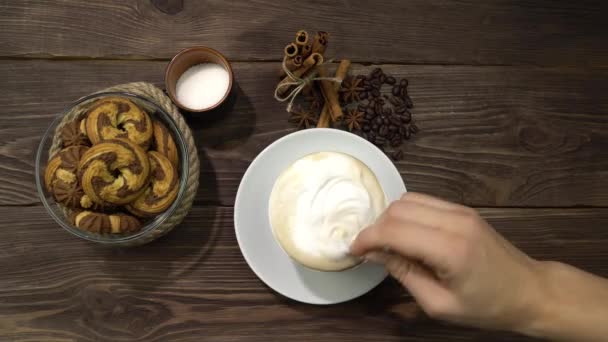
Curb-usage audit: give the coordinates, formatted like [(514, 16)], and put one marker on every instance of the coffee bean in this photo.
[(395, 120), (378, 120), (392, 128), (396, 141), (414, 128), (366, 128), (383, 131), (375, 92), (367, 87), (407, 134), (387, 111), (361, 107), (363, 95), (395, 101), (376, 83), (408, 101), (385, 96), (403, 93), (402, 130), (361, 77), (377, 72), (378, 108), (390, 135), (406, 117), (370, 111), (385, 120), (380, 140), (404, 83), (396, 91), (398, 155), (390, 80), (364, 121), (371, 135), (382, 78)]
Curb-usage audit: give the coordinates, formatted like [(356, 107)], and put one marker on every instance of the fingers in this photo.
[(431, 201), (435, 212), (420, 282), (406, 210), (413, 240)]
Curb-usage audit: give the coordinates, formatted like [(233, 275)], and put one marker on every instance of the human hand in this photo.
[(453, 262)]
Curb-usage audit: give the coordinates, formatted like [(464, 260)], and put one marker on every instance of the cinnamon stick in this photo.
[(291, 64), (319, 43), (311, 61), (301, 38), (325, 118), (291, 50), (305, 50), (330, 93)]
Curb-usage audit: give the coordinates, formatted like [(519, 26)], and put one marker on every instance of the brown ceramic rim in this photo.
[(206, 49)]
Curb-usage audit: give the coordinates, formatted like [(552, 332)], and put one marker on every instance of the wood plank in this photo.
[(194, 283), (491, 136), (510, 32)]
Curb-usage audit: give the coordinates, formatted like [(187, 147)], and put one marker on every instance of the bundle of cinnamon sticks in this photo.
[(304, 58)]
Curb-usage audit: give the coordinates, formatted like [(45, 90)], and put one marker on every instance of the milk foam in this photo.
[(320, 204)]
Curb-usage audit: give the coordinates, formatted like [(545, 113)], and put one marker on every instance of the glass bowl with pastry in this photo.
[(112, 168)]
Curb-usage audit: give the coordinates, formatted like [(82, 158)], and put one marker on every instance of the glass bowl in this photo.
[(153, 227)]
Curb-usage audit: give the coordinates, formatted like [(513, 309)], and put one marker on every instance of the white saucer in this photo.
[(261, 251)]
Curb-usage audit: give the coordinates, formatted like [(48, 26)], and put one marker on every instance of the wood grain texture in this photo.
[(490, 136), (510, 32), (194, 285)]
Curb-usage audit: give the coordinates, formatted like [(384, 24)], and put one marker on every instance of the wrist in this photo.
[(541, 301)]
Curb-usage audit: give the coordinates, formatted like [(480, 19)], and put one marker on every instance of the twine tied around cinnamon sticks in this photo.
[(300, 82)]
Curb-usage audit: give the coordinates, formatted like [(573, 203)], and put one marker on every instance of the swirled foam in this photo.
[(319, 204)]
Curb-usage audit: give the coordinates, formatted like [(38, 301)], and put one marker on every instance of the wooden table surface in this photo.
[(510, 98)]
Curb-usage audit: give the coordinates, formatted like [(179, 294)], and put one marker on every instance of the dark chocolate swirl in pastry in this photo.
[(164, 143), (161, 192), (106, 224), (115, 117), (72, 136), (69, 194), (115, 171), (61, 178)]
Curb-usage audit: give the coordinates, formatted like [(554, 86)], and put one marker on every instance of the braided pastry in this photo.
[(115, 171), (116, 117), (161, 192), (103, 223), (164, 143), (60, 176)]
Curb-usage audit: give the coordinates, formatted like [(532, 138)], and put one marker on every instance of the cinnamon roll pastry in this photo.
[(164, 143), (106, 224), (61, 178), (116, 117), (161, 192), (72, 136), (115, 171)]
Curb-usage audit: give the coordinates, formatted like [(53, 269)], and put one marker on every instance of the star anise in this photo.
[(304, 119), (354, 119), (350, 89), (315, 99)]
